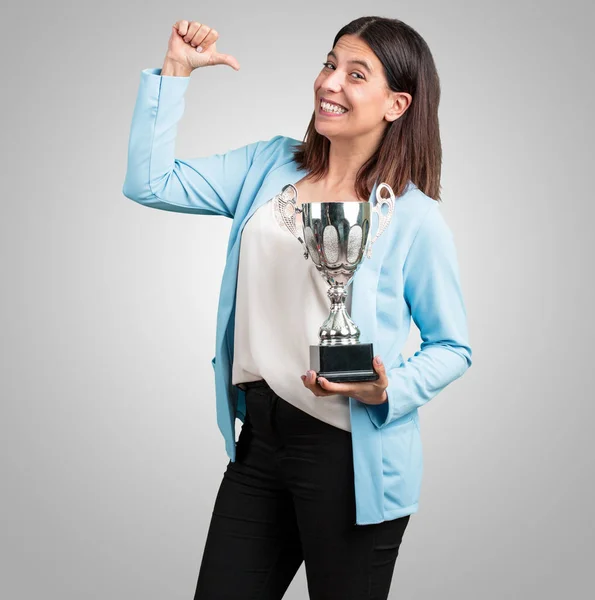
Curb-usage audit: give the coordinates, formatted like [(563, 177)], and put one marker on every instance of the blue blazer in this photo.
[(413, 273)]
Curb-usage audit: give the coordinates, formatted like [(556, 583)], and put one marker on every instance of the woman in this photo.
[(325, 473)]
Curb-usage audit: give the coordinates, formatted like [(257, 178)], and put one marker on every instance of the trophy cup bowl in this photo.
[(336, 237)]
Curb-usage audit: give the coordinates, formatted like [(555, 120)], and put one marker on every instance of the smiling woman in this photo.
[(326, 473), (373, 71)]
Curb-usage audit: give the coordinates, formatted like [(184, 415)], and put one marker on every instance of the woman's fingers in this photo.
[(371, 392), (193, 44), (204, 37)]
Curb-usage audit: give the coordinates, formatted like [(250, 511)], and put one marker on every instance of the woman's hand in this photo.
[(368, 392), (186, 37)]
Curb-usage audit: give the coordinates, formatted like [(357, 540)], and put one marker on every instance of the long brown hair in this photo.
[(410, 148)]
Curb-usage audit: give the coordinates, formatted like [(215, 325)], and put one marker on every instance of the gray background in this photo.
[(111, 456)]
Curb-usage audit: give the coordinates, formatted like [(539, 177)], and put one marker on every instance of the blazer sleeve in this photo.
[(209, 185), (433, 293)]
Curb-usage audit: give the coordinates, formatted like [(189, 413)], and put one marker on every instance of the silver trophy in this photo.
[(336, 236)]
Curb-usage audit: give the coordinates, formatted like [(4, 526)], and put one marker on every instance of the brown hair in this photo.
[(410, 148)]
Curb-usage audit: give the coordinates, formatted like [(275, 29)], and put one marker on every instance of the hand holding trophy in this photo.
[(336, 236)]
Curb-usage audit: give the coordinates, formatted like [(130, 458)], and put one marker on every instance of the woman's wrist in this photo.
[(172, 68)]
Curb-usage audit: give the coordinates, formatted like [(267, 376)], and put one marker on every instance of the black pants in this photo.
[(288, 498)]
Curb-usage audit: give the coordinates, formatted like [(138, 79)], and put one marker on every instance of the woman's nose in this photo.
[(332, 86), (333, 81)]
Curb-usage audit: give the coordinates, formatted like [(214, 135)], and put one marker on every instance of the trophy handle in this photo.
[(383, 220), (287, 217)]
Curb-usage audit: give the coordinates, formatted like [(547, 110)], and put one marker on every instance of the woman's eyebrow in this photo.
[(361, 62)]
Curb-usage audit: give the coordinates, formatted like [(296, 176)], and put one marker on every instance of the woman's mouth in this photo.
[(330, 110)]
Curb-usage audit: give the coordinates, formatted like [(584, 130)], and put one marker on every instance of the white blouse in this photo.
[(281, 303)]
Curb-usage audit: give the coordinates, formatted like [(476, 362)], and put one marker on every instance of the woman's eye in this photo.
[(360, 76)]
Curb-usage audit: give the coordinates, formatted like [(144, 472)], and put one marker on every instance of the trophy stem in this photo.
[(338, 329)]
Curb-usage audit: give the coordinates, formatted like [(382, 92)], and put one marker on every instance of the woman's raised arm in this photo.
[(154, 177)]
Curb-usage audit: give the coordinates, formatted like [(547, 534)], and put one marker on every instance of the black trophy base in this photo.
[(341, 364)]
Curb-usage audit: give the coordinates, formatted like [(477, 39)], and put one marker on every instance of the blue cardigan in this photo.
[(413, 273)]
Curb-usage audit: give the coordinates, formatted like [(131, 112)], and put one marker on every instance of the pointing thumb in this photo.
[(226, 59)]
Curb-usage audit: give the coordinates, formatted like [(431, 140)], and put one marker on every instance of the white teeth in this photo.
[(332, 108)]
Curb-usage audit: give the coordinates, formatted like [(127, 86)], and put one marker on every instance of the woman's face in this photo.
[(360, 88)]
